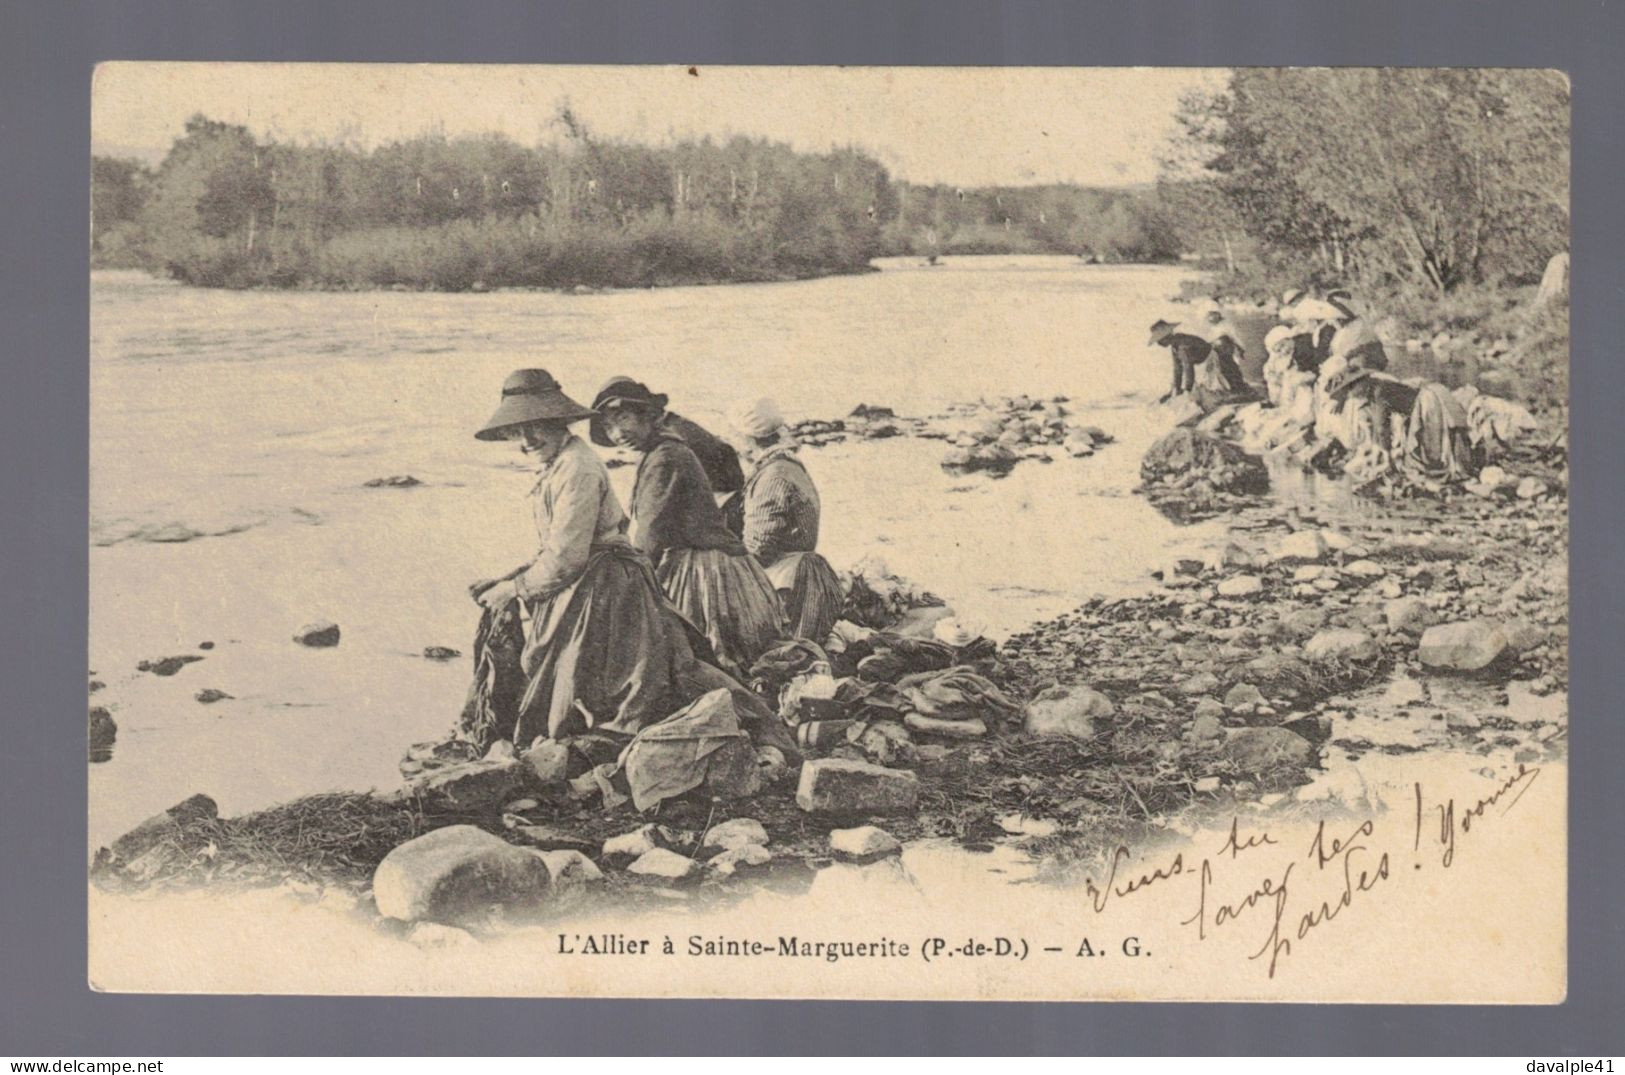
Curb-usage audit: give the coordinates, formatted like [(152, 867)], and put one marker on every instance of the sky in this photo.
[(965, 126)]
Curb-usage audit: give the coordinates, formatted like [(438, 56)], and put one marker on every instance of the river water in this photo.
[(233, 432)]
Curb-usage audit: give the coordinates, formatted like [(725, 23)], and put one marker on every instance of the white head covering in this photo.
[(1312, 309), (757, 418), (1278, 334)]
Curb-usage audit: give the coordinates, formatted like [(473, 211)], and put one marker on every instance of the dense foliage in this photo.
[(223, 209), (1384, 178)]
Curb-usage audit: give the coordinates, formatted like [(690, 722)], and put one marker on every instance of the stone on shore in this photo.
[(473, 785), (1067, 711), (864, 842), (1243, 694), (209, 695), (1462, 647), (631, 845), (839, 786), (730, 861), (1341, 644), (664, 864), (1263, 750), (1200, 683), (547, 763), (318, 635), (1410, 615), (161, 827), (453, 873), (1241, 586), (735, 833), (1187, 455), (1302, 546)]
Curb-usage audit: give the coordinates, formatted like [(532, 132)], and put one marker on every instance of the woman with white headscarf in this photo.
[(781, 517)]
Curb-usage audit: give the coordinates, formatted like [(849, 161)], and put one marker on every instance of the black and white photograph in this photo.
[(892, 533)]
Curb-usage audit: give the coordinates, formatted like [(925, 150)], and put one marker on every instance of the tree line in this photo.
[(225, 209), (1422, 181)]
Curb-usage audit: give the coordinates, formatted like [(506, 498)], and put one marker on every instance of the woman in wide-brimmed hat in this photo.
[(600, 653), (781, 517), (717, 457), (702, 566), (1421, 427)]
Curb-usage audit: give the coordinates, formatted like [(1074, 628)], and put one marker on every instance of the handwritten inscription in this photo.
[(1342, 866)]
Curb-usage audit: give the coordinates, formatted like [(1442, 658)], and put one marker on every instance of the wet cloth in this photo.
[(703, 568), (1493, 423), (703, 743), (780, 527), (499, 679), (1436, 444), (717, 457)]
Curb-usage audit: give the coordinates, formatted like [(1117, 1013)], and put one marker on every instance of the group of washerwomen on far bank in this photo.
[(1327, 394)]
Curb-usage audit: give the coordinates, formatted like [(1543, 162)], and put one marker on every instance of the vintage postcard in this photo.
[(1000, 534)]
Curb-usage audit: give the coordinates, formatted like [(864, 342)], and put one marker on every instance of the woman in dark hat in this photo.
[(702, 566), (1430, 441), (600, 653), (717, 457)]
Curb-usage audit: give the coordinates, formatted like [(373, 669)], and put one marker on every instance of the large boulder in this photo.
[(840, 786), (1186, 455), (456, 873), (1463, 647), (1067, 711)]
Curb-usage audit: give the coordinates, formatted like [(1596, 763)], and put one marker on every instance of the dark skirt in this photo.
[(729, 598), (601, 654), (811, 593)]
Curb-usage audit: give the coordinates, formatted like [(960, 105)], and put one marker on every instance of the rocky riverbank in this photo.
[(1259, 671)]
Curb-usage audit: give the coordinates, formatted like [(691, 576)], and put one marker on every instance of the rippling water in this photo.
[(233, 432)]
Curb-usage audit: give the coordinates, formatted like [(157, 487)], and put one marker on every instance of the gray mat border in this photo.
[(46, 54)]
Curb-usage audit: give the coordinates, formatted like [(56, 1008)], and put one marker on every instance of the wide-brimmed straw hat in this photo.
[(530, 396), (1161, 331), (1338, 384), (621, 392)]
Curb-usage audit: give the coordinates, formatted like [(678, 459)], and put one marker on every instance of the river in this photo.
[(233, 434)]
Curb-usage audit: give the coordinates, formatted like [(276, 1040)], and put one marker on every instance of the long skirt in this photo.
[(1437, 444), (811, 593), (729, 598), (601, 654)]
